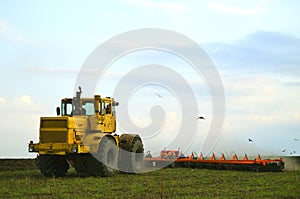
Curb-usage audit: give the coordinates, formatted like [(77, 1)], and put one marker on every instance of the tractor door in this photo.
[(108, 120)]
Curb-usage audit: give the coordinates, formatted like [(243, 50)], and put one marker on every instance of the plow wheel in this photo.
[(132, 157), (53, 165)]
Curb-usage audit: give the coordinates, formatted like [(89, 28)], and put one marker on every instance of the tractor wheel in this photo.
[(132, 159), (103, 163), (107, 157), (80, 162), (86, 165), (53, 165)]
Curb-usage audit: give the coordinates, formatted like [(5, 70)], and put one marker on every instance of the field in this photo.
[(165, 183)]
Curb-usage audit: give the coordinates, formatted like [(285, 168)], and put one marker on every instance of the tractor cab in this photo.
[(99, 112)]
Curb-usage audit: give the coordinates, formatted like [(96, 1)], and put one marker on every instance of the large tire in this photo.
[(53, 165), (108, 156), (80, 162), (132, 157), (103, 163)]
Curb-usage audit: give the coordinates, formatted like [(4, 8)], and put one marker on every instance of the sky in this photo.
[(254, 44)]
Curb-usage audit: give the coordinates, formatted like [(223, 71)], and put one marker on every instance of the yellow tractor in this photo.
[(83, 136)]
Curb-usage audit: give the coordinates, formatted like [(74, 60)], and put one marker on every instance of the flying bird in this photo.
[(283, 151), (296, 139), (201, 118), (158, 95), (250, 140)]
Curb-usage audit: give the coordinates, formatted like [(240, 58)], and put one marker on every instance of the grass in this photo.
[(165, 183)]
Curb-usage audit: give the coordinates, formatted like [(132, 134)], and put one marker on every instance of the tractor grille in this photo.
[(53, 130), (54, 123), (50, 136)]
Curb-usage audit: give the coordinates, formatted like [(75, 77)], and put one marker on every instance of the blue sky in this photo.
[(255, 46)]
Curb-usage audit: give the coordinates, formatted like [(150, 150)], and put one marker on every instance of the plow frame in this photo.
[(257, 164)]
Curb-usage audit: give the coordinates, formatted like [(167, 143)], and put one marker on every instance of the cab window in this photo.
[(88, 108), (106, 108), (66, 108)]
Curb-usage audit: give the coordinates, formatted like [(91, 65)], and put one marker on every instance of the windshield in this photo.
[(88, 108), (69, 108)]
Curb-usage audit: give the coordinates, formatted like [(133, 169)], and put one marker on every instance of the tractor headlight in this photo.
[(31, 149), (74, 149)]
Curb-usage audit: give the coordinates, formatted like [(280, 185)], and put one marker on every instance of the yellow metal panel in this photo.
[(50, 135), (53, 148), (70, 136), (80, 122), (54, 122)]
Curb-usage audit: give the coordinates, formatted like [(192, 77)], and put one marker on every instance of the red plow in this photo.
[(173, 158)]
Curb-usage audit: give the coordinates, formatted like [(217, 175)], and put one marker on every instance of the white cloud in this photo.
[(174, 11), (2, 100), (260, 94), (21, 122), (296, 116), (18, 102), (174, 6), (260, 106), (10, 33), (26, 99), (22, 104), (54, 70), (237, 9), (4, 26)]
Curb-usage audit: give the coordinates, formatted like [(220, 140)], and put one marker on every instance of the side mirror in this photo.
[(57, 111)]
